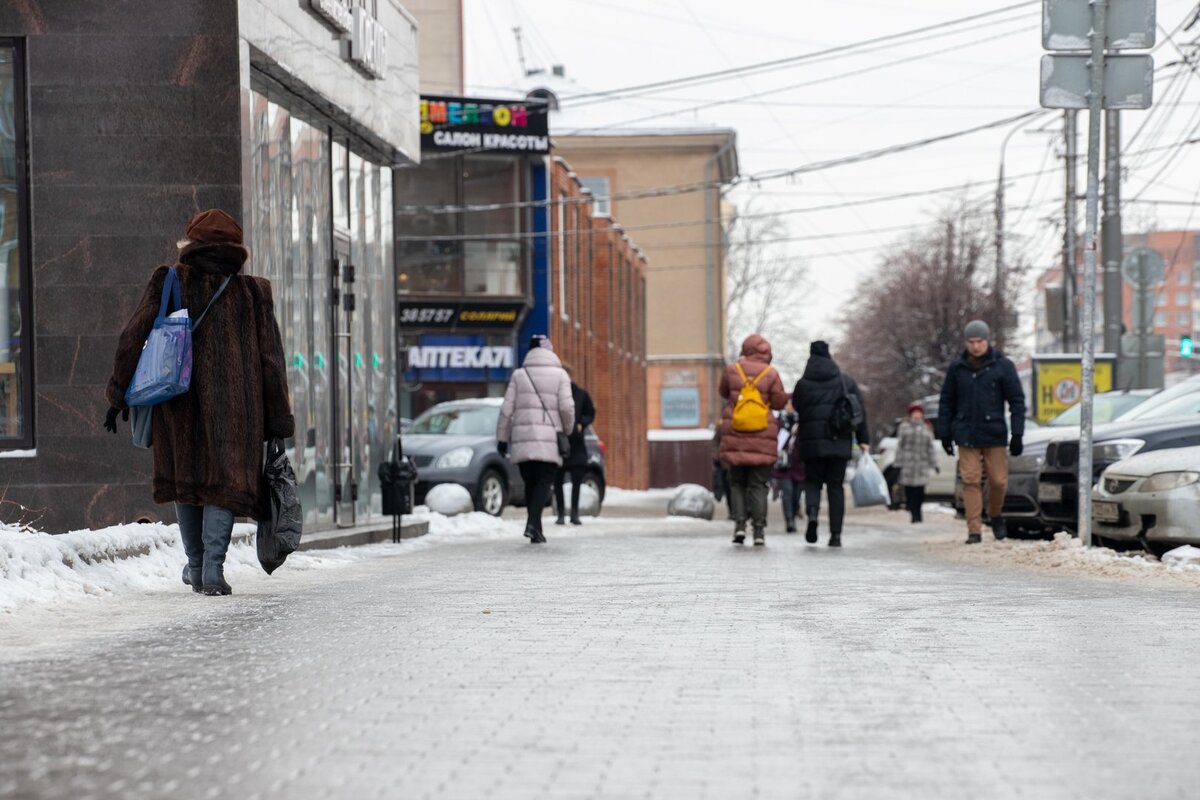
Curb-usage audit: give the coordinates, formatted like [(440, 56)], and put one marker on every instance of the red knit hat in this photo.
[(916, 406)]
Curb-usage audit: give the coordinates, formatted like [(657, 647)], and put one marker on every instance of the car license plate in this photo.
[(1106, 512), (1050, 492)]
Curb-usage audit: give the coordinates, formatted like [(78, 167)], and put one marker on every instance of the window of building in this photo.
[(1183, 318), (1183, 299), (1160, 299), (601, 206), (16, 302), (1181, 277), (1160, 319), (476, 252), (562, 254), (577, 264)]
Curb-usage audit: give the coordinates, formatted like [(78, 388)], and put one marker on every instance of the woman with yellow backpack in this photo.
[(752, 389)]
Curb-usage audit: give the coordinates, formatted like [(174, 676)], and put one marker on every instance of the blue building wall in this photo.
[(537, 321)]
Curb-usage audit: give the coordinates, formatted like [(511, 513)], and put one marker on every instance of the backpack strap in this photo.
[(170, 291), (745, 379), (738, 366), (220, 289)]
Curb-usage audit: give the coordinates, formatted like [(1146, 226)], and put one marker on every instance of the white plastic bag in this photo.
[(868, 485)]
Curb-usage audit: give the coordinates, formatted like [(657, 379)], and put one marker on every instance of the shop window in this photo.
[(601, 205), (473, 251), (16, 358)]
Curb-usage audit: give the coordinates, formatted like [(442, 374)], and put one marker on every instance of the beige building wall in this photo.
[(685, 273), (440, 44)]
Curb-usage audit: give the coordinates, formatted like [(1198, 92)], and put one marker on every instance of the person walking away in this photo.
[(916, 456), (788, 474), (208, 441), (971, 415), (575, 464), (824, 399), (752, 389), (537, 408)]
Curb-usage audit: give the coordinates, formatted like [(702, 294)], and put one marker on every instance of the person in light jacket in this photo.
[(537, 407), (916, 457)]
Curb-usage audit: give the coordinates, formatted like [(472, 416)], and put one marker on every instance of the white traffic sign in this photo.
[(1143, 267), (1066, 81)]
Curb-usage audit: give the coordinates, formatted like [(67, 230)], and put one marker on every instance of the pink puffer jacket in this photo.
[(531, 429)]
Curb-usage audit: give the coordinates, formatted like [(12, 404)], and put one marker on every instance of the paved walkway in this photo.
[(644, 659)]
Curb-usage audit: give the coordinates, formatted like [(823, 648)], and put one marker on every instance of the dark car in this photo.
[(455, 442)]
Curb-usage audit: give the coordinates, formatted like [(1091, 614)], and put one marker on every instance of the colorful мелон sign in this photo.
[(450, 124)]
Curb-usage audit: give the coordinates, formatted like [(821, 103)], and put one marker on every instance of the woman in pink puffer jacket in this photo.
[(537, 407)]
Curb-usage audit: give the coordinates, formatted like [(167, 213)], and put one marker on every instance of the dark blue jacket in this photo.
[(971, 410)]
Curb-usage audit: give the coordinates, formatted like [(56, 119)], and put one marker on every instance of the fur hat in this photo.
[(213, 226)]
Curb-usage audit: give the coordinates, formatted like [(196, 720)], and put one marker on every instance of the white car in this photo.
[(1152, 498)]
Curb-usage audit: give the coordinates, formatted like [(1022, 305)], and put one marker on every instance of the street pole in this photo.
[(1087, 329), (1113, 247), (1070, 234), (998, 288)]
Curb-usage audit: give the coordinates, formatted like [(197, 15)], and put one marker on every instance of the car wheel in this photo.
[(492, 495), (596, 481)]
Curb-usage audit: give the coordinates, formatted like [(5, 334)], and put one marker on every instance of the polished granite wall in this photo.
[(134, 124)]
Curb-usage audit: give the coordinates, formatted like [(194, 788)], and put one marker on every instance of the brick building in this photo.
[(598, 321)]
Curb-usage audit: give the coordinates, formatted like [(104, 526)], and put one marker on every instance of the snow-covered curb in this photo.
[(1067, 556)]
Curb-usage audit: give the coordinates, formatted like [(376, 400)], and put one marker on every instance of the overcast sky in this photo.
[(969, 75)]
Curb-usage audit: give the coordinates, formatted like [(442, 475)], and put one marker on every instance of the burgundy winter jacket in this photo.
[(756, 449)]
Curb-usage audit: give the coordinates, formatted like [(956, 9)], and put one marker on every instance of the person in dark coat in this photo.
[(751, 454), (788, 475), (208, 456), (575, 464), (825, 452), (971, 415)]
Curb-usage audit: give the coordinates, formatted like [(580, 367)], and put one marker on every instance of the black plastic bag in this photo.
[(279, 530)]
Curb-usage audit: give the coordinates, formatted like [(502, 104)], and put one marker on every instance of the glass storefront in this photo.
[(16, 360), (480, 253), (314, 201)]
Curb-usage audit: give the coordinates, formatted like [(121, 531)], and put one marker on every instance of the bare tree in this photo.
[(764, 286), (905, 323)]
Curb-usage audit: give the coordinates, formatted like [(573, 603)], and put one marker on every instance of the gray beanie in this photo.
[(977, 329)]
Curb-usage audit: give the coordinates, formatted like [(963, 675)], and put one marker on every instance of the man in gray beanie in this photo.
[(971, 415)]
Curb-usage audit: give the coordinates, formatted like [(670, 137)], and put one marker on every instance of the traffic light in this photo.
[(1185, 347)]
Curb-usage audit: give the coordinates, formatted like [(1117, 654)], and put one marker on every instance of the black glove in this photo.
[(502, 448), (948, 446), (1016, 446), (110, 419)]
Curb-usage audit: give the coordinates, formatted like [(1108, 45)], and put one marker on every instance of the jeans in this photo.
[(914, 496), (971, 463), (539, 481), (206, 531), (790, 492), (748, 487), (577, 475), (830, 473)]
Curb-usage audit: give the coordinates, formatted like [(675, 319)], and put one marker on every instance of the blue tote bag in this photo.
[(164, 369)]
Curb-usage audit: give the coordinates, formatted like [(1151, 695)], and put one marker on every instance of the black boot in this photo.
[(835, 540), (193, 578), (218, 588), (561, 520), (575, 520), (810, 533), (999, 529), (974, 538)]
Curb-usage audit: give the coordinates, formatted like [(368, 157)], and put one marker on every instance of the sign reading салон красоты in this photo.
[(450, 124)]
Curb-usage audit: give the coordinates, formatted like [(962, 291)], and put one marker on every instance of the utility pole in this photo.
[(520, 51), (1113, 246), (1070, 234)]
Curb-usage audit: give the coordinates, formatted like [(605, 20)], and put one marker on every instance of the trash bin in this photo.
[(397, 484)]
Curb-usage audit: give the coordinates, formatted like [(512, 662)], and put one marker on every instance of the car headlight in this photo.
[(457, 458), (1166, 481), (1031, 462), (1116, 450)]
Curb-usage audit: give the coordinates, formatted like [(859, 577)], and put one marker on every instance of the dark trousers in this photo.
[(206, 531), (830, 473), (539, 482), (914, 496), (790, 493), (577, 474), (748, 495)]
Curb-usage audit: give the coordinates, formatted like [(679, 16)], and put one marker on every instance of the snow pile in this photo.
[(1186, 556), (691, 500), (450, 499)]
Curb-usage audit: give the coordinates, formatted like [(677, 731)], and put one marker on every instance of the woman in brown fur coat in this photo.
[(208, 441)]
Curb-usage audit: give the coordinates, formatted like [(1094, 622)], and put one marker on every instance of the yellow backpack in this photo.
[(750, 412)]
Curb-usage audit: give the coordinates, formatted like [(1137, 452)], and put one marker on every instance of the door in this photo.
[(345, 424)]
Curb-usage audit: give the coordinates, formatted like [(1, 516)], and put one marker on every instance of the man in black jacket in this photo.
[(824, 448), (575, 464), (971, 414)]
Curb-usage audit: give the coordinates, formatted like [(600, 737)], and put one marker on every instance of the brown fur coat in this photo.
[(208, 441)]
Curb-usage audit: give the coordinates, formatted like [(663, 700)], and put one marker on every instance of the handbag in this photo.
[(164, 369), (564, 442)]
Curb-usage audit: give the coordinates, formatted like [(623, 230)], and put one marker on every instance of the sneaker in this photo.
[(810, 533), (974, 538), (835, 540), (759, 539), (739, 535), (999, 529)]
